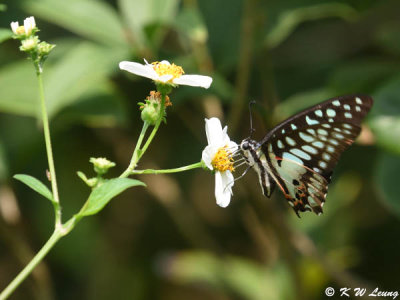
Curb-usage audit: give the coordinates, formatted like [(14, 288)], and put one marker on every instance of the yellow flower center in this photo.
[(20, 30), (223, 160), (165, 69)]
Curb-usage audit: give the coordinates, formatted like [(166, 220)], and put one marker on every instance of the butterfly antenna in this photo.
[(251, 118)]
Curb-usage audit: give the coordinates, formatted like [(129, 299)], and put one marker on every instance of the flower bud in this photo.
[(101, 165), (44, 48), (29, 44), (152, 109)]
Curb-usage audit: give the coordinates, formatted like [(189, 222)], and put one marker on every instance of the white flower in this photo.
[(166, 73), (29, 25), (218, 157), (27, 28), (14, 27)]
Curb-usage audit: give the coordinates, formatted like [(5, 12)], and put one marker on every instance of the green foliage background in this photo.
[(171, 241)]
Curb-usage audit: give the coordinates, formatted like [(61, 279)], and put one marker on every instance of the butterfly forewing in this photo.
[(302, 151)]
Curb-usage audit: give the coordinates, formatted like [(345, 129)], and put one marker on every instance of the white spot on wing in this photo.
[(307, 138), (318, 113), (311, 121), (290, 141), (300, 153), (348, 115), (330, 112), (358, 100), (309, 149), (336, 103)]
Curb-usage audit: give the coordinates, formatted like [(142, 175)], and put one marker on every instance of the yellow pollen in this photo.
[(164, 69), (20, 30), (223, 160)]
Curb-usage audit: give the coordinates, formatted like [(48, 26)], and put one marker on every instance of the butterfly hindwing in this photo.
[(302, 151)]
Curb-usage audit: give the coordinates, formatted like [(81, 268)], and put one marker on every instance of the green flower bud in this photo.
[(29, 44), (151, 109), (150, 113), (44, 48), (101, 165)]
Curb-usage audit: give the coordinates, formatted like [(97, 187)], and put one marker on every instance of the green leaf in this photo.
[(190, 22), (301, 101), (290, 20), (13, 98), (387, 132), (103, 194), (35, 185), (5, 34), (385, 120), (3, 163), (82, 73), (139, 14), (95, 20), (387, 179)]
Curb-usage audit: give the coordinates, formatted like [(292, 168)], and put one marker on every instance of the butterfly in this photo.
[(300, 153)]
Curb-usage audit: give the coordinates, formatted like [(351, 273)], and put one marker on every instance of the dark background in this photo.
[(171, 241)]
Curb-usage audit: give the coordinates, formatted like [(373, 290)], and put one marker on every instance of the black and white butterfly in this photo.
[(300, 153)]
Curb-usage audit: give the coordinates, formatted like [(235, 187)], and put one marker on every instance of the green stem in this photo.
[(175, 170), (136, 153), (57, 234), (49, 151)]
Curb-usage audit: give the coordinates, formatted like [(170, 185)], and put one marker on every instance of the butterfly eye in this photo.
[(245, 145)]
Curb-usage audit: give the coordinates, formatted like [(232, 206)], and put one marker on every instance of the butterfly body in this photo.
[(299, 154)]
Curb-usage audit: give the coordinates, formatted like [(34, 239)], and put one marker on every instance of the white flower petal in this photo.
[(29, 24), (223, 188), (232, 146), (164, 78), (139, 69), (14, 26), (214, 132), (194, 80), (207, 156), (165, 62)]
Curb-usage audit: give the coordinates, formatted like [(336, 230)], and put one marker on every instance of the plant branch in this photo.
[(49, 151), (175, 170)]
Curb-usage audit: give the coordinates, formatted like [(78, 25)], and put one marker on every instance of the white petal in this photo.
[(232, 146), (29, 24), (165, 62), (223, 188), (194, 80), (214, 132), (139, 69), (207, 156), (164, 78), (14, 26)]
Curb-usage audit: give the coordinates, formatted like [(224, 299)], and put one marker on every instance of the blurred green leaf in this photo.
[(3, 163), (14, 99), (139, 14), (387, 180), (385, 121), (190, 21), (103, 194), (5, 34), (95, 20), (300, 101), (362, 76), (289, 20), (387, 132), (35, 185), (388, 36), (80, 74), (3, 7), (244, 277)]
